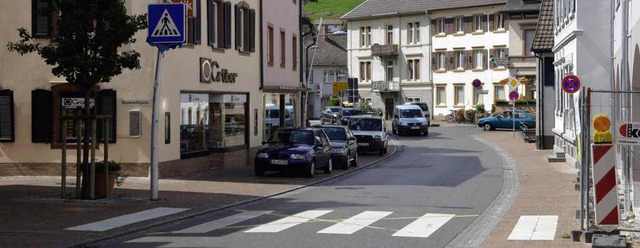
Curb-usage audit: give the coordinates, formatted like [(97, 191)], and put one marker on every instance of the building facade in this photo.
[(210, 102)]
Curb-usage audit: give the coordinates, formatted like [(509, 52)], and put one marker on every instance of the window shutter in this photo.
[(197, 39), (467, 24), (471, 56), (492, 22), (448, 25), (41, 118), (106, 105), (433, 27), (433, 61), (41, 23), (237, 25), (449, 60), (211, 28), (227, 25), (506, 21), (485, 59), (467, 61), (252, 30), (484, 23), (7, 128)]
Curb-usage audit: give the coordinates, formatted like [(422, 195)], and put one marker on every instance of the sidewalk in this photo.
[(33, 215)]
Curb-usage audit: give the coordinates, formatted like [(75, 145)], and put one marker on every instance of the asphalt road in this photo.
[(426, 194)]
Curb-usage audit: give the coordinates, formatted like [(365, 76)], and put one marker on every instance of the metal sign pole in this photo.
[(154, 130), (513, 117)]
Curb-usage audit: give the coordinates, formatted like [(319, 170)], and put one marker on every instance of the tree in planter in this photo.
[(86, 50)]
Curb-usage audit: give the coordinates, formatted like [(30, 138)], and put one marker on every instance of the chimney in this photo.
[(323, 32)]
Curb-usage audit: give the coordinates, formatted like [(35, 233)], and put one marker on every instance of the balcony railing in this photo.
[(384, 50), (385, 86)]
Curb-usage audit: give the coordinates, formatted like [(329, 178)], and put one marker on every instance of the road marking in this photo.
[(126, 219), (535, 227), (355, 223), (424, 226), (224, 222), (284, 223)]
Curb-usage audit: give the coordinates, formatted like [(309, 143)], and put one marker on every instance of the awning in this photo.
[(522, 80)]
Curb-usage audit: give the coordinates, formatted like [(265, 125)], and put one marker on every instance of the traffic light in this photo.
[(355, 90), (350, 90)]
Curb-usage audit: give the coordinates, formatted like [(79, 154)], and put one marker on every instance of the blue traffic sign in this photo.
[(570, 84), (513, 95), (476, 83), (166, 23)]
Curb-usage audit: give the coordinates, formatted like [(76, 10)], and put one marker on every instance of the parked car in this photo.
[(425, 108), (370, 132), (331, 115), (301, 149), (346, 113), (272, 116), (504, 120), (344, 145), (409, 118)]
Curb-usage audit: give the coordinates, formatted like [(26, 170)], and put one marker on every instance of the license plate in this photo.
[(279, 161), (363, 144), (416, 127)]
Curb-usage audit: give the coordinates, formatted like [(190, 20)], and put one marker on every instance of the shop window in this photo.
[(245, 27), (7, 126), (43, 19)]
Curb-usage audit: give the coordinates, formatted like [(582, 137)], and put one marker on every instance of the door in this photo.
[(389, 104)]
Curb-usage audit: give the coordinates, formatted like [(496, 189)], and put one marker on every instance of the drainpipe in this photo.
[(305, 21), (429, 53), (400, 57), (261, 48), (624, 83), (540, 102)]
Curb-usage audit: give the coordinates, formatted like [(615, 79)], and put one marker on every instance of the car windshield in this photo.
[(346, 112), (293, 136), (335, 133), (410, 113), (334, 110), (422, 106), (362, 124), (273, 113)]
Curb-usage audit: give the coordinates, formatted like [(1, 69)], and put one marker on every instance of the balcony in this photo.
[(384, 50), (385, 86)]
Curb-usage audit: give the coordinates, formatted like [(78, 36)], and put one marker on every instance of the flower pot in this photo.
[(100, 183)]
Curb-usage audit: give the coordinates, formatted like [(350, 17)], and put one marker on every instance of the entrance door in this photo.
[(389, 103)]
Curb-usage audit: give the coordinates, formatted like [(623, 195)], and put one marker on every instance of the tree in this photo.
[(86, 50)]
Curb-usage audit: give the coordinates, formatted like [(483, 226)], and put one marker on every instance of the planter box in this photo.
[(99, 186)]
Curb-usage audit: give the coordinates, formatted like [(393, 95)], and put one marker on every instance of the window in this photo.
[(440, 26), (499, 92), (441, 95), (413, 33), (477, 23), (389, 35), (499, 21), (478, 59), (217, 15), (365, 36), (43, 21), (440, 61), (365, 71), (270, 45), (498, 53), (245, 26), (458, 95), (389, 70), (478, 98), (528, 41), (283, 49), (413, 99), (414, 69), (459, 24), (193, 21), (294, 52), (7, 129), (459, 59)]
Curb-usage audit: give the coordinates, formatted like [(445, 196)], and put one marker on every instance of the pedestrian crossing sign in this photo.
[(166, 23)]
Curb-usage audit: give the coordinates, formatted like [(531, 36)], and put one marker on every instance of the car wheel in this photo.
[(311, 169), (381, 151), (426, 132), (393, 129), (487, 127), (354, 163), (259, 171), (345, 165), (329, 167)]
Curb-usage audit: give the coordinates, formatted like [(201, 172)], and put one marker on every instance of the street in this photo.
[(428, 192)]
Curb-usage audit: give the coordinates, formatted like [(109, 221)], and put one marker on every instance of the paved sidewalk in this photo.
[(33, 215)]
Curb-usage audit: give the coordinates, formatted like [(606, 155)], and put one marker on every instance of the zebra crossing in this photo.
[(529, 227)]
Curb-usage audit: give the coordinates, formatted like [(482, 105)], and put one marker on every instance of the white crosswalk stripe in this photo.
[(127, 219), (288, 222), (424, 226), (224, 222), (355, 223), (535, 227)]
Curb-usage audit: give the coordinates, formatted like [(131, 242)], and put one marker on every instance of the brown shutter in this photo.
[(227, 25), (467, 24), (434, 57), (449, 59), (237, 25), (197, 36), (506, 21), (211, 28), (471, 56), (492, 22), (484, 58), (7, 126), (433, 27), (484, 23), (252, 31), (41, 118), (448, 25)]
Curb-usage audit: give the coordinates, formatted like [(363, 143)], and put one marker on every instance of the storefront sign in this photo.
[(210, 72), (75, 102)]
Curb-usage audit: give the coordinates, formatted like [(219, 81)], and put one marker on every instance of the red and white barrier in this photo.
[(606, 185)]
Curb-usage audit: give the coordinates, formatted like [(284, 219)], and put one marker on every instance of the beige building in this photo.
[(209, 95)]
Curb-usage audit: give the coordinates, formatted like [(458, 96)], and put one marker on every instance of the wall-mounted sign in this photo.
[(135, 102), (629, 133), (210, 72), (75, 102)]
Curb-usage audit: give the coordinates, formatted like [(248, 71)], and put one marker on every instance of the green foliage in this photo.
[(460, 114), (113, 165), (501, 101), (526, 101), (480, 108), (90, 34), (363, 106), (329, 9), (333, 102), (469, 114)]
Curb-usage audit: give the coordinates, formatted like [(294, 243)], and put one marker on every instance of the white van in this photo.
[(409, 118)]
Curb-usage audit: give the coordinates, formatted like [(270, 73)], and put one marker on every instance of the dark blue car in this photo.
[(299, 149), (505, 119)]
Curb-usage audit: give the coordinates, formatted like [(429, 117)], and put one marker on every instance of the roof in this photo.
[(379, 8), (543, 40), (329, 22), (522, 5), (331, 51)]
